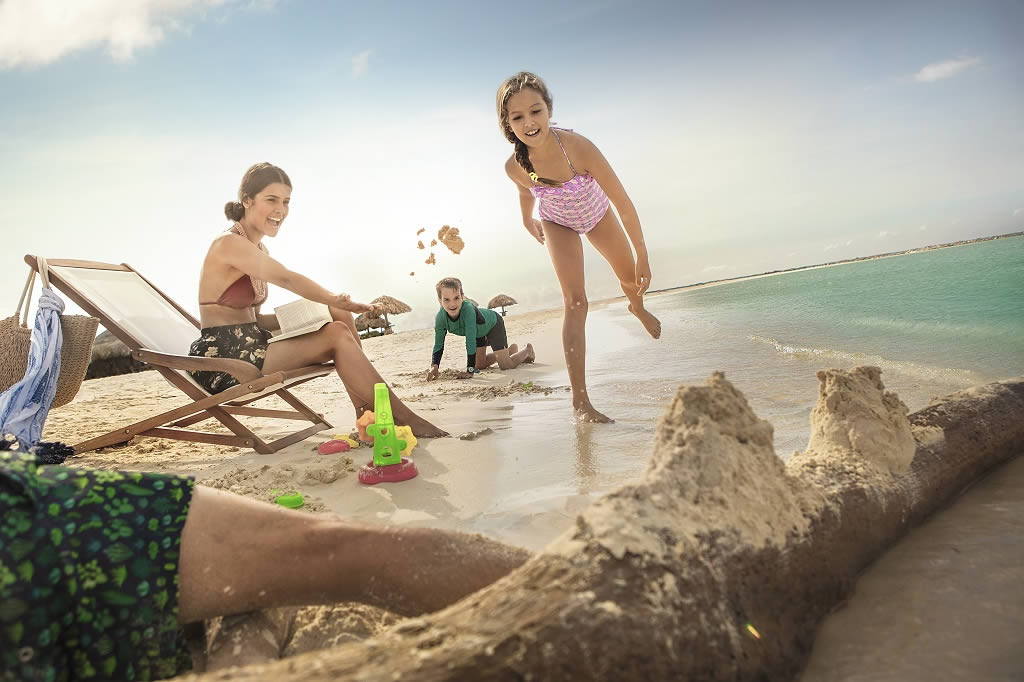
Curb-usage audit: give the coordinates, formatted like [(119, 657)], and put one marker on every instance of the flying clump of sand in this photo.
[(447, 235)]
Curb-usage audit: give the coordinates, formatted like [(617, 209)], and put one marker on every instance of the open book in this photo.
[(300, 317)]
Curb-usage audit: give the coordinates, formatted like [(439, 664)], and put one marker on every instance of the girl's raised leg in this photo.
[(566, 250), (610, 240)]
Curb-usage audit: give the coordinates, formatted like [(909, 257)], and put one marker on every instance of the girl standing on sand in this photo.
[(571, 180), (233, 285)]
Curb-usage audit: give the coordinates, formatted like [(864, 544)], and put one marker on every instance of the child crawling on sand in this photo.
[(482, 327)]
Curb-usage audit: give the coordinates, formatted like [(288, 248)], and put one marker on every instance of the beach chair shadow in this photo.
[(159, 332)]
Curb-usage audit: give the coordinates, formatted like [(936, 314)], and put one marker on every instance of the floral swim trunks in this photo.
[(239, 341), (89, 572)]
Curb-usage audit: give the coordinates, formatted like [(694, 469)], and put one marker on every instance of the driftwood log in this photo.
[(720, 562)]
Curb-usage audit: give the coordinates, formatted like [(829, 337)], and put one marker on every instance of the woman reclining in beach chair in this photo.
[(233, 285)]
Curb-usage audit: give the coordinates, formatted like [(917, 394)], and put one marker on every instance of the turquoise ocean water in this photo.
[(934, 321)]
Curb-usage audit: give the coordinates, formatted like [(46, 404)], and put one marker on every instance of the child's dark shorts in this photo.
[(497, 339), (238, 341), (89, 572)]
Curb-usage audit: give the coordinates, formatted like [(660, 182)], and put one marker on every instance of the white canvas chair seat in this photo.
[(159, 331)]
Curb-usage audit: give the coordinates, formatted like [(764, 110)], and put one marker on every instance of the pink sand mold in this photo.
[(394, 473), (333, 446)]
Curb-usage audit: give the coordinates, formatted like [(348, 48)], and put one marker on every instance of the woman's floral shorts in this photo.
[(239, 341)]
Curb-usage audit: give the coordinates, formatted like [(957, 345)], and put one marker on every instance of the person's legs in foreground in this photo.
[(239, 554), (339, 342), (566, 250), (609, 239)]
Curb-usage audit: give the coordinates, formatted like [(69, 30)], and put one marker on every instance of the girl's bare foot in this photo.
[(531, 354), (586, 412), (650, 322)]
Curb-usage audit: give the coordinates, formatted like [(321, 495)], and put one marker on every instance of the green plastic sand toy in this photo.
[(387, 446), (291, 500)]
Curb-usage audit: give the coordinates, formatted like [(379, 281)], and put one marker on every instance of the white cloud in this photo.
[(38, 32), (714, 268), (830, 247), (849, 241), (1018, 211), (883, 233), (922, 228), (944, 69), (361, 64)]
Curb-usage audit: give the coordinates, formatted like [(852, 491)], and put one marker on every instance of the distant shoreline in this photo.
[(715, 282)]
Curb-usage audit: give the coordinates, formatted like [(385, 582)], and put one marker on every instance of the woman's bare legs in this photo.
[(609, 239), (336, 341), (345, 316), (566, 250), (239, 554)]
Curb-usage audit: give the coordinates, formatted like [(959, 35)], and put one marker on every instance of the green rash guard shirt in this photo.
[(472, 323)]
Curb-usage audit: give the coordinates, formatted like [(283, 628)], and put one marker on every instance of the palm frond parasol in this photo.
[(390, 305), (500, 301)]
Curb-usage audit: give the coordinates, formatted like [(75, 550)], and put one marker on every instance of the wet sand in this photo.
[(946, 603)]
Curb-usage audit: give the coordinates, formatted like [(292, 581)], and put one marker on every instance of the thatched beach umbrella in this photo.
[(500, 301), (364, 321), (361, 322), (390, 305)]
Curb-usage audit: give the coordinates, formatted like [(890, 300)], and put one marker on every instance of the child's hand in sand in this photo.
[(432, 373)]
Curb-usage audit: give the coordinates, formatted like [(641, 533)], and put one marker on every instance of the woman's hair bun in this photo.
[(234, 210)]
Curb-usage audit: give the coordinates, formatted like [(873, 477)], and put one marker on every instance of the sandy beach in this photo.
[(517, 467), (457, 477)]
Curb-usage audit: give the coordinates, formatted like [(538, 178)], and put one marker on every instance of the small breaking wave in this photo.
[(956, 375)]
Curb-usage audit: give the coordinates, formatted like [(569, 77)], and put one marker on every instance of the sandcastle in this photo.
[(719, 563)]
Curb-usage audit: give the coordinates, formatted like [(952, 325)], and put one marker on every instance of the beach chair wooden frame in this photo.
[(66, 276)]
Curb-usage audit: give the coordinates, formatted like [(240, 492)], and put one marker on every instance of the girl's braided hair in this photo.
[(511, 86)]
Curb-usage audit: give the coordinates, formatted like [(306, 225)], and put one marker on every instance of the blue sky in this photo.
[(751, 136)]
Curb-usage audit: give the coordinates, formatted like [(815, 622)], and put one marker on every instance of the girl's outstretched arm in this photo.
[(594, 163), (526, 200)]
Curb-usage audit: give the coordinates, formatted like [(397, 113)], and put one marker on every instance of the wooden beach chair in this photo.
[(158, 331)]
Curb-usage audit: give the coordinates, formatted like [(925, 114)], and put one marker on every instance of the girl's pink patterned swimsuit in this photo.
[(578, 204)]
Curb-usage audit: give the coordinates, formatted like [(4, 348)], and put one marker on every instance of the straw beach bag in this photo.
[(79, 331)]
